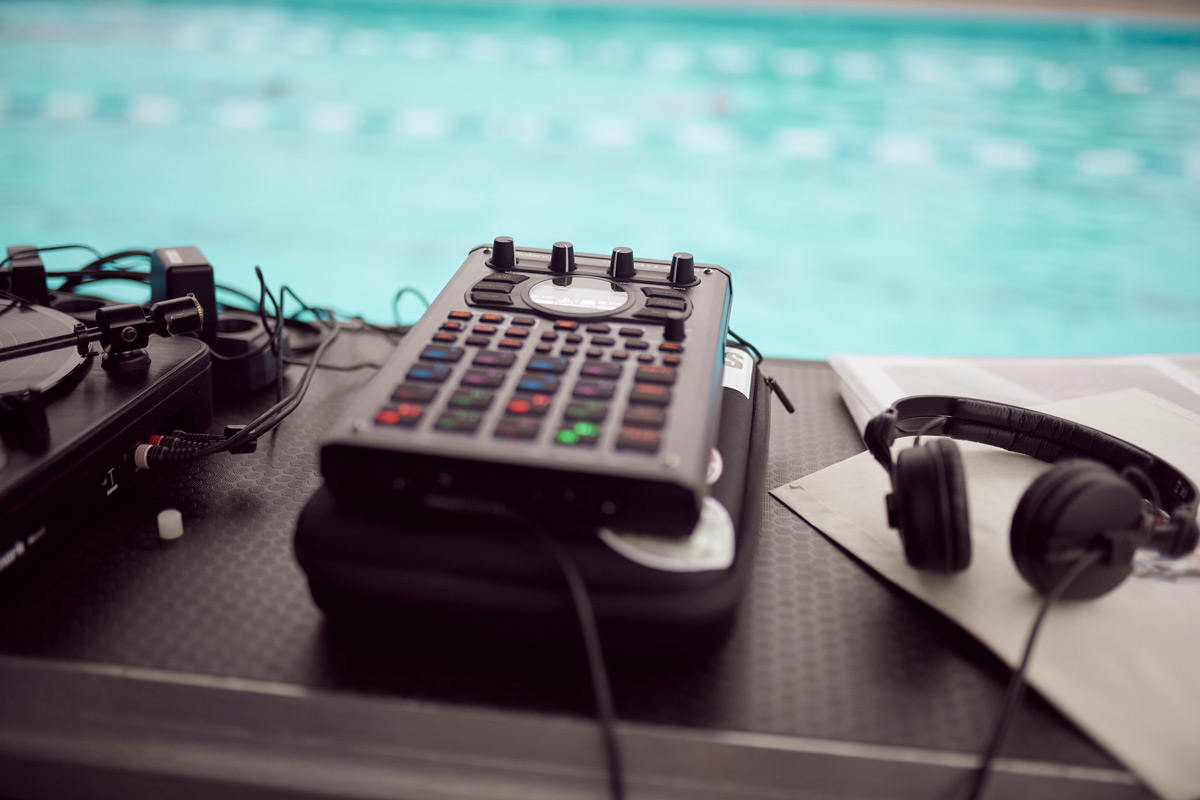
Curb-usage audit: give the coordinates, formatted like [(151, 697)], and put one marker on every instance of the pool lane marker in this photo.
[(189, 36), (732, 59), (333, 118), (242, 114), (249, 39), (859, 66), (309, 41), (524, 129), (803, 143), (903, 148), (423, 123), (423, 46), (669, 57), (609, 133), (1053, 77), (146, 109), (69, 105), (364, 43), (613, 54), (1005, 154), (1108, 162), (706, 137), (1191, 164), (796, 62), (926, 69), (996, 72), (1187, 82), (484, 48), (1126, 80), (547, 51)]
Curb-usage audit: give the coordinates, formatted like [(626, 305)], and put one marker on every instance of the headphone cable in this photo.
[(1016, 684), (597, 671)]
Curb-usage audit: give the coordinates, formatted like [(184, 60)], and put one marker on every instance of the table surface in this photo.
[(141, 665)]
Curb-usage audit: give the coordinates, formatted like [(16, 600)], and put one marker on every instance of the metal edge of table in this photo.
[(101, 731)]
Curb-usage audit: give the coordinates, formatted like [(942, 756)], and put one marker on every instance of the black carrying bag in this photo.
[(451, 576)]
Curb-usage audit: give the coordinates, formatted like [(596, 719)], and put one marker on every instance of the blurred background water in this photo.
[(901, 182)]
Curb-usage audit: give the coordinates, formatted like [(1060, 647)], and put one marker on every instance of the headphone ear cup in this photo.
[(929, 507), (1065, 509)]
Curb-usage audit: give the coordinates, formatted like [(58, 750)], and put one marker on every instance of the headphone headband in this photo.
[(1019, 430)]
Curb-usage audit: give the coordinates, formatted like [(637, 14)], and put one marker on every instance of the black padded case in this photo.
[(447, 575)]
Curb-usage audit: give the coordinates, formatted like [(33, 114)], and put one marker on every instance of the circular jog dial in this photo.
[(579, 297)]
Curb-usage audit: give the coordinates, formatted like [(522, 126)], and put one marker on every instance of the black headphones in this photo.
[(1103, 495)]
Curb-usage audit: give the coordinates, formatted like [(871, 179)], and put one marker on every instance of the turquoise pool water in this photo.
[(907, 183)]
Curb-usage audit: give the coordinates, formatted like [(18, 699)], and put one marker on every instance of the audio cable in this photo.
[(771, 383), (581, 600), (1016, 684)]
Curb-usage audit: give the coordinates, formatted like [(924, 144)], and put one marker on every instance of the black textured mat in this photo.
[(823, 648)]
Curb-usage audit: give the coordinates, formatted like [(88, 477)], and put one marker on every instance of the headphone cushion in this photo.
[(1067, 508), (931, 498), (959, 534)]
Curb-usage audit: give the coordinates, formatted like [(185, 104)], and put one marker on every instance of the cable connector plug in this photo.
[(241, 449), (774, 386)]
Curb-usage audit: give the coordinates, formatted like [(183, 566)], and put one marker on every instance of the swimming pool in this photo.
[(910, 183)]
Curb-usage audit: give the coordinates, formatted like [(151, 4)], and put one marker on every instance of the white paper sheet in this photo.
[(869, 384), (1123, 667)]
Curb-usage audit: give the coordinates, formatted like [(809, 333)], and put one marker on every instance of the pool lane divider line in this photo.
[(694, 136)]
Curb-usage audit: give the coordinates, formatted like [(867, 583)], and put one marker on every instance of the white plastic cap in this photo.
[(170, 523)]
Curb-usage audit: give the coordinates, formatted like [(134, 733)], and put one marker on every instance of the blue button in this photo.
[(532, 383), (429, 372), (547, 365), (436, 352)]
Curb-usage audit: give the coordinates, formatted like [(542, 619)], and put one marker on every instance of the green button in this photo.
[(586, 429), (566, 437)]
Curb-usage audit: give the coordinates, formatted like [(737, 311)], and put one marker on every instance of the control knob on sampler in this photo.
[(683, 268), (620, 266), (503, 254), (562, 258), (673, 330)]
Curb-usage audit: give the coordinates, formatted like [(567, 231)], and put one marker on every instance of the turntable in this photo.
[(69, 417)]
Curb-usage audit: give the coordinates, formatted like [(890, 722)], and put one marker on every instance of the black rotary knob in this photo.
[(562, 258), (620, 266), (504, 255), (683, 268), (673, 328)]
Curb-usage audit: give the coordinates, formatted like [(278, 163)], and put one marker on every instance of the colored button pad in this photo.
[(556, 390)]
